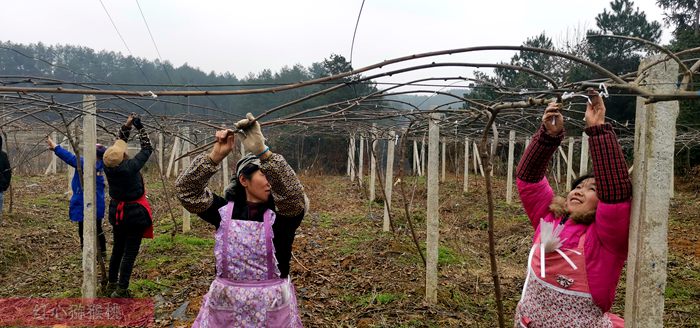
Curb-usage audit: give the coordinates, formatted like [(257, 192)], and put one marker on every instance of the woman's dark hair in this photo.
[(581, 179), (237, 193)]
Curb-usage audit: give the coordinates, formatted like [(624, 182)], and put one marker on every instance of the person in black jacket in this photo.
[(5, 175), (129, 210)]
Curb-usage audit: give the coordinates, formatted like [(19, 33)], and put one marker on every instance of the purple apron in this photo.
[(248, 290)]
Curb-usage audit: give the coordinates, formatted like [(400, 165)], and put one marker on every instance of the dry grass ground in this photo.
[(347, 272)]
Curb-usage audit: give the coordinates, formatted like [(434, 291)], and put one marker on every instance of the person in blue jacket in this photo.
[(75, 210)]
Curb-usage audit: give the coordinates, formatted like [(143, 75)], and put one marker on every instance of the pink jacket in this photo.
[(605, 248)]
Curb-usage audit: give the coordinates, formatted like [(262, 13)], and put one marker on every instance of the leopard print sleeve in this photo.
[(191, 186), (287, 190)]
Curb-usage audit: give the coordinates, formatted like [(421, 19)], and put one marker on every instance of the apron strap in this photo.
[(267, 218), (226, 213)]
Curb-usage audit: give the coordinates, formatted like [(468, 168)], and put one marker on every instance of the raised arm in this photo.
[(65, 155), (535, 192), (142, 156), (191, 187), (125, 130), (613, 184), (285, 186)]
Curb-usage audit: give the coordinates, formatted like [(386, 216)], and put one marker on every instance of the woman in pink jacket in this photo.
[(580, 242)]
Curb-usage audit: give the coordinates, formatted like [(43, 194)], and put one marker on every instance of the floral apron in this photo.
[(248, 290), (556, 292)]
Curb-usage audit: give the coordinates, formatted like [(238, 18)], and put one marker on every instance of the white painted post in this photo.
[(89, 288), (444, 150), (466, 164), (432, 214), (389, 181), (583, 164), (654, 139), (511, 159), (527, 142), (373, 165), (569, 164), (362, 160)]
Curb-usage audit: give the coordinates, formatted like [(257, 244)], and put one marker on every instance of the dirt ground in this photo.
[(347, 272)]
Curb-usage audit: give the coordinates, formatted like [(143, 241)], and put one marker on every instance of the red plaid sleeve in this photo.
[(609, 166), (533, 164)]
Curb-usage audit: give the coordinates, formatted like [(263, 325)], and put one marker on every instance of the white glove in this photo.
[(252, 137)]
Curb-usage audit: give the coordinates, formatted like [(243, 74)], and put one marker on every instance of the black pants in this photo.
[(127, 242), (101, 240)]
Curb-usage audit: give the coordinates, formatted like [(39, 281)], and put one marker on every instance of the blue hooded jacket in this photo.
[(75, 209)]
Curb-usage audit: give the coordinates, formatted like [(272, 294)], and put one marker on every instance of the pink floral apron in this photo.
[(248, 290), (556, 292)]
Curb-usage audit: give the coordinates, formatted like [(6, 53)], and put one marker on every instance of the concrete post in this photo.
[(432, 214), (583, 164), (89, 288), (389, 181), (569, 164), (443, 156), (466, 165), (654, 140), (511, 159)]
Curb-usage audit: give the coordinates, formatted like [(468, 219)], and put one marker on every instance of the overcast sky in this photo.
[(248, 36)]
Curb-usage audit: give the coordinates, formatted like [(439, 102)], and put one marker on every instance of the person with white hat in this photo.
[(129, 210)]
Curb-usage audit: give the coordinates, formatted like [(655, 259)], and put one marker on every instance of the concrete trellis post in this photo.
[(186, 224), (583, 164), (353, 169), (373, 165), (654, 139), (362, 162), (442, 160), (416, 160), (70, 171), (478, 160), (569, 164), (51, 169), (224, 175), (160, 151), (89, 288), (173, 154), (389, 181), (474, 155), (557, 161), (466, 164), (349, 165), (422, 158), (527, 142), (511, 155), (432, 214)]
